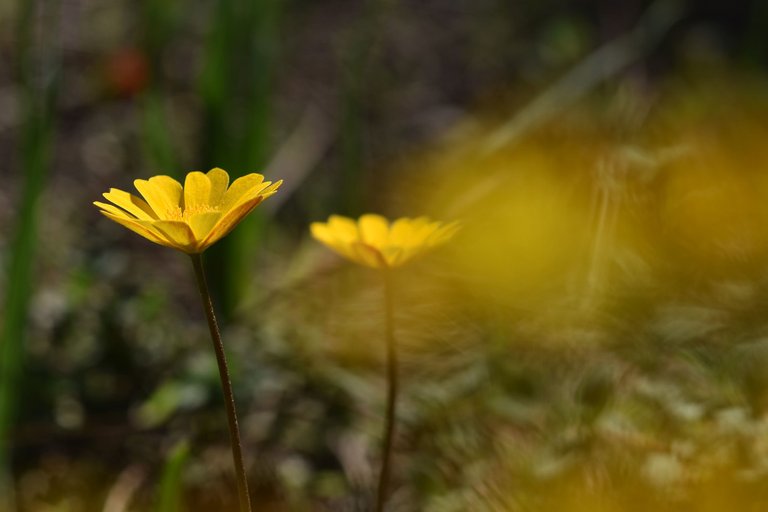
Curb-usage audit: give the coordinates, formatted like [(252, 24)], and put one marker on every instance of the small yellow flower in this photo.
[(189, 218), (374, 242)]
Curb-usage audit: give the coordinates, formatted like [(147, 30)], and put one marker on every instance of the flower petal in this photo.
[(421, 229), (138, 227), (163, 194), (228, 221), (409, 253), (344, 228), (197, 190), (374, 242), (368, 255), (253, 193), (114, 210), (240, 187), (130, 203), (324, 234), (394, 256), (270, 189), (374, 230), (178, 234), (219, 181), (400, 233), (202, 223)]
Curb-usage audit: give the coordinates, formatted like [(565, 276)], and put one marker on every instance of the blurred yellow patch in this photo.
[(598, 205), (713, 212), (524, 235)]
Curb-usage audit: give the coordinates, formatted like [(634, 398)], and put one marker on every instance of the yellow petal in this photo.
[(321, 232), (163, 194), (197, 190), (344, 228), (271, 188), (374, 242), (410, 232), (177, 233), (421, 229), (130, 203), (228, 221), (139, 228), (368, 255), (394, 256), (114, 210), (253, 193), (400, 234), (407, 254), (268, 191), (239, 188), (324, 234), (263, 191), (219, 181), (202, 223), (374, 230)]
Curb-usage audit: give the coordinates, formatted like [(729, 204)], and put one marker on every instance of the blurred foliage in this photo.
[(595, 338), (38, 72), (171, 486)]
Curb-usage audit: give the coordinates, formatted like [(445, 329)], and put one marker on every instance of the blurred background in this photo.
[(594, 339)]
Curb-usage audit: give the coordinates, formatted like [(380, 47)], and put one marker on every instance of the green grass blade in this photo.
[(170, 493)]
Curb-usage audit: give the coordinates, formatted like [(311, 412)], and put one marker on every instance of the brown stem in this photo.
[(392, 384), (226, 385)]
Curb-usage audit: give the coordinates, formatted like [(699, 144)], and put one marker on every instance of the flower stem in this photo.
[(226, 385), (392, 385)]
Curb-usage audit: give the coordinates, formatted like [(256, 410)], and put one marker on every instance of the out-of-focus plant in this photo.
[(374, 242), (636, 222), (236, 85), (38, 72), (191, 218), (169, 499)]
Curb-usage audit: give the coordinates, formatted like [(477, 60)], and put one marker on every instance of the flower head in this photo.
[(189, 218), (374, 242)]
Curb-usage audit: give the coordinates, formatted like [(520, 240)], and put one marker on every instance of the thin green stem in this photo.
[(392, 386), (226, 385)]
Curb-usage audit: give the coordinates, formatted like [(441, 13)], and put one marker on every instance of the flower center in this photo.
[(177, 214)]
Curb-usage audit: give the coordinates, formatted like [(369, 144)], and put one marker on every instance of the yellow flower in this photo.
[(189, 218), (374, 242)]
